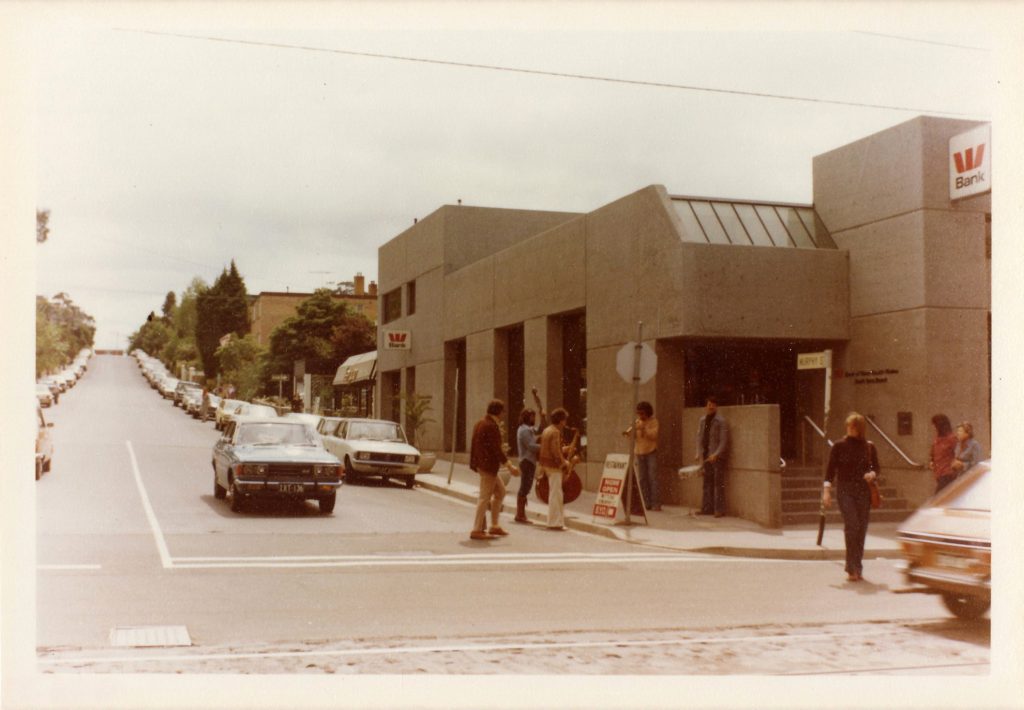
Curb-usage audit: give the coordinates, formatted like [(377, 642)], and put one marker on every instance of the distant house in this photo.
[(269, 309)]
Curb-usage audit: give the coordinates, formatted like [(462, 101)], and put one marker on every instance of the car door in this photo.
[(222, 454)]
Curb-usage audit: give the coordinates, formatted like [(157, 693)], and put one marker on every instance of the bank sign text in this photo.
[(970, 162)]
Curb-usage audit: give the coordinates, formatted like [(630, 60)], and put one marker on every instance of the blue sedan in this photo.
[(259, 457)]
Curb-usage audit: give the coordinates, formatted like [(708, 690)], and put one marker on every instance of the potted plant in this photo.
[(416, 408)]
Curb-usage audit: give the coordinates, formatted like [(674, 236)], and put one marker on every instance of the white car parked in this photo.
[(372, 447)]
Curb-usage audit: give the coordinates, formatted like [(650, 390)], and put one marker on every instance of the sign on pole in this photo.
[(811, 361), (624, 362)]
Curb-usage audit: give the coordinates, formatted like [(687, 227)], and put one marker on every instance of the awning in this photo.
[(357, 369)]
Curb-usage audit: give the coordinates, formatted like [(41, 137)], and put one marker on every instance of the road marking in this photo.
[(441, 560), (469, 648), (68, 567), (161, 544)]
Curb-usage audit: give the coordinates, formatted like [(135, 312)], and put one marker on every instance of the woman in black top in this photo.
[(852, 464)]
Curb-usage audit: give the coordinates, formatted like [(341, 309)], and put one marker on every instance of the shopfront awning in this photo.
[(357, 369)]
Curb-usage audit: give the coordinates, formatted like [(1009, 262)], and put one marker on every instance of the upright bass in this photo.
[(572, 486)]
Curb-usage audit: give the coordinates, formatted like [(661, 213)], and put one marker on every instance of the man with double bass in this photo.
[(553, 465)]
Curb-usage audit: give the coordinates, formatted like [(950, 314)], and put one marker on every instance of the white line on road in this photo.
[(470, 648), (67, 567), (161, 544)]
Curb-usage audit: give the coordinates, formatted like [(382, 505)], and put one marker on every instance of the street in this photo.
[(130, 537)]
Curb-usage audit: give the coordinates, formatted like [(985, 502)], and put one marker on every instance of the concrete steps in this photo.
[(801, 499)]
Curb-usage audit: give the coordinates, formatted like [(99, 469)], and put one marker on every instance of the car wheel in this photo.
[(350, 473), (236, 499), (964, 605), (219, 491), (327, 503), (46, 465), (410, 481), (385, 480)]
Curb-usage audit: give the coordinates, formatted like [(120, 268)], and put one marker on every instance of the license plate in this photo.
[(291, 488), (385, 470), (952, 561)]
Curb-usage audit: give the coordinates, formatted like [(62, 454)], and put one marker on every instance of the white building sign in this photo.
[(970, 162)]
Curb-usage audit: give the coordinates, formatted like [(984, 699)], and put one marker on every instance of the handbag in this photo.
[(876, 494)]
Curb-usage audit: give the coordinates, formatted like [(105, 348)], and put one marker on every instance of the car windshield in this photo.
[(375, 431), (258, 410), (272, 433), (974, 496)]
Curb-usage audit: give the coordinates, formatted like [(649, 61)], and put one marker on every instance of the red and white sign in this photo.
[(970, 162), (397, 340), (608, 503)]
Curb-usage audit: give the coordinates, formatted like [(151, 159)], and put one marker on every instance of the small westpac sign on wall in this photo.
[(397, 340), (970, 162)]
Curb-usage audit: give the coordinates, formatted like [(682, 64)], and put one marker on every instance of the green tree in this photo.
[(323, 332), (51, 350), (221, 309), (241, 362), (152, 337), (170, 303)]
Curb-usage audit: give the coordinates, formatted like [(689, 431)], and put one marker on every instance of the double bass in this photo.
[(572, 486)]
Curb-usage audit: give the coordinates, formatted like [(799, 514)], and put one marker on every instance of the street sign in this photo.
[(624, 363), (811, 361), (279, 378)]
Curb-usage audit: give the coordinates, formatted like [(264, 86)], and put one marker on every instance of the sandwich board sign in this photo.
[(610, 503)]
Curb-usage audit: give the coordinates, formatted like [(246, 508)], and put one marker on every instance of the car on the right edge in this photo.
[(947, 544)]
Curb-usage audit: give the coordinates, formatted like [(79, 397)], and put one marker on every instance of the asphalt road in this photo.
[(130, 535)]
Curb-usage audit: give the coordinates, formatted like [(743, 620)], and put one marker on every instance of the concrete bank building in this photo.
[(889, 269)]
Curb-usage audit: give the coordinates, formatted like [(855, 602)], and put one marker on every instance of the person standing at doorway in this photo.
[(553, 464), (943, 451), (852, 465), (968, 451), (486, 456), (529, 447), (647, 453), (712, 450)]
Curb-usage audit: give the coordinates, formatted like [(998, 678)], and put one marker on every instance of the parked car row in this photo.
[(49, 388), (296, 455)]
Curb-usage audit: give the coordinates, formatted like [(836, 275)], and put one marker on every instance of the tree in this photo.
[(221, 309), (241, 362), (323, 332), (62, 331), (42, 225), (152, 337), (170, 303)]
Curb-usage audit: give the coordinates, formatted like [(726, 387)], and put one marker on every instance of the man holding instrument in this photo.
[(646, 453), (554, 465)]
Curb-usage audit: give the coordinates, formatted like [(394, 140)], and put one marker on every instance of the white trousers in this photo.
[(556, 518)]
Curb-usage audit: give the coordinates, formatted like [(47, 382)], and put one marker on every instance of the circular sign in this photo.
[(624, 362)]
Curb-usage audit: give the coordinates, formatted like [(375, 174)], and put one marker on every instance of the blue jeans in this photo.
[(855, 505), (527, 471), (647, 473), (714, 487)]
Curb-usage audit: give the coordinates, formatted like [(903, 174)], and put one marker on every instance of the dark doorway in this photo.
[(455, 377), (390, 390), (574, 368), (516, 371)]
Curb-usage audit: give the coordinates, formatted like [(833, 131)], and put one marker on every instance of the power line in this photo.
[(924, 41), (541, 72)]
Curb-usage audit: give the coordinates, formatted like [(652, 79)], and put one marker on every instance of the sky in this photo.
[(165, 152)]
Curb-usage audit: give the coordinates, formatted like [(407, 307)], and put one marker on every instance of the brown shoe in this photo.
[(497, 531), (480, 535), (524, 520)]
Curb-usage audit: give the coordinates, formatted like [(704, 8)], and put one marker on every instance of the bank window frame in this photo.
[(709, 222), (410, 298), (731, 223), (391, 305), (794, 225), (773, 224)]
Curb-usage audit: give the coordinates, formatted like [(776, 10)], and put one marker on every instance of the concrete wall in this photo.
[(919, 290), (753, 484)]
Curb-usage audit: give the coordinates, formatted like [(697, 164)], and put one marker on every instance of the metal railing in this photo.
[(892, 443), (803, 438)]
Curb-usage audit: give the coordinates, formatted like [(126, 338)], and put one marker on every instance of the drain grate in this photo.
[(143, 636)]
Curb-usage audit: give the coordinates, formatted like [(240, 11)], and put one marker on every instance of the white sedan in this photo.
[(372, 447)]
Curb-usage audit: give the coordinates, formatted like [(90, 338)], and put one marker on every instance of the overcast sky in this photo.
[(163, 158)]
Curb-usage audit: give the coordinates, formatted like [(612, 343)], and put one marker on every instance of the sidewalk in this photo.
[(675, 527)]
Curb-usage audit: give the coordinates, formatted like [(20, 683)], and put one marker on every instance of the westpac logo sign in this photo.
[(397, 340), (970, 162)]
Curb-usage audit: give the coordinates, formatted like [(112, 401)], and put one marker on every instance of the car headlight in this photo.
[(411, 458), (363, 455), (254, 469), (326, 470)]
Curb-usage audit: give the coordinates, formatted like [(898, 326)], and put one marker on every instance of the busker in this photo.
[(529, 446), (554, 465), (852, 465), (486, 456), (712, 449), (647, 453)]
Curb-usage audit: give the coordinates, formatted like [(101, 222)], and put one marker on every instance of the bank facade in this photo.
[(885, 269)]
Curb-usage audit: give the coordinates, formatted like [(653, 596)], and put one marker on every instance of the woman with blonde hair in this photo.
[(852, 465)]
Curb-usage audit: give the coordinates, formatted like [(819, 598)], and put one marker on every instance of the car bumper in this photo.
[(948, 580), (304, 489), (383, 468)]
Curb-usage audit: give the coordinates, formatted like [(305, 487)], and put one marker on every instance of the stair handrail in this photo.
[(893, 443), (818, 429)]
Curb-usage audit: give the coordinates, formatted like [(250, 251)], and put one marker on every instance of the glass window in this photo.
[(791, 221), (731, 222), (392, 305), (410, 300), (776, 230), (822, 239), (758, 234), (709, 221), (691, 227)]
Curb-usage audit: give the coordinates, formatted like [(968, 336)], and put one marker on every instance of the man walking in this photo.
[(712, 449), (486, 456)]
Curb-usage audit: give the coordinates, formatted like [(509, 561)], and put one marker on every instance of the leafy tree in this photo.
[(51, 350), (42, 225), (241, 362), (170, 303), (323, 332), (152, 337), (221, 309), (62, 331)]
